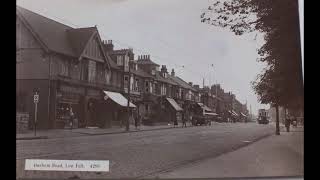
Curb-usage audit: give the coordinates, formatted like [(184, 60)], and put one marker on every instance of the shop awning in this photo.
[(234, 113), (243, 114), (212, 114), (118, 98), (174, 104), (204, 107)]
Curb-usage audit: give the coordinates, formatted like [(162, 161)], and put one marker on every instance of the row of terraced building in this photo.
[(75, 68)]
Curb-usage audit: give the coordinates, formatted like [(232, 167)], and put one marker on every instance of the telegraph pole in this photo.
[(128, 105)]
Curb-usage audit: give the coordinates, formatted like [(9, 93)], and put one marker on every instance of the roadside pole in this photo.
[(35, 100), (128, 105)]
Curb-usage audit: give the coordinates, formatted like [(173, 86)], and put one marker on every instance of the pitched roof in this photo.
[(162, 79), (181, 83), (113, 65), (119, 51), (147, 61), (52, 33), (79, 38), (141, 73), (59, 37)]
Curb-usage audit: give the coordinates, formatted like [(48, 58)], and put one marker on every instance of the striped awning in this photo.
[(234, 113), (118, 98), (204, 107), (174, 104), (243, 114)]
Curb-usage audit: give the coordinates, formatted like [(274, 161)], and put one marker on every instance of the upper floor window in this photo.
[(136, 85), (120, 60), (147, 86), (126, 63), (91, 71), (163, 89), (107, 75), (64, 68)]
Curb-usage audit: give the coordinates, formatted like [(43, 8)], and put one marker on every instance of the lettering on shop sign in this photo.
[(70, 89)]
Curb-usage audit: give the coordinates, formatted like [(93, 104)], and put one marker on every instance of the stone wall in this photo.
[(22, 120)]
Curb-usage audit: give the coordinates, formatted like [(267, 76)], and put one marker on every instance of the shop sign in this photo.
[(92, 92), (69, 89)]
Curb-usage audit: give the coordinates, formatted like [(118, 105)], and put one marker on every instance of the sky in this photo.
[(171, 32)]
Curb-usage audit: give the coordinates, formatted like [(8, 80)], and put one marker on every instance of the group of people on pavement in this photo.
[(290, 121)]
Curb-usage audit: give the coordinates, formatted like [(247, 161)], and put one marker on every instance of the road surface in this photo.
[(140, 154)]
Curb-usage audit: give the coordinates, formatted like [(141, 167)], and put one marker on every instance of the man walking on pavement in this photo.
[(287, 124), (184, 123)]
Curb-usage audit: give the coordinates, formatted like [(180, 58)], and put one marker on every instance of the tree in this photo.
[(281, 83)]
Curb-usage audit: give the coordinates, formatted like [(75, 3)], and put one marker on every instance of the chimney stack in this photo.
[(196, 86), (190, 83), (108, 45), (172, 73)]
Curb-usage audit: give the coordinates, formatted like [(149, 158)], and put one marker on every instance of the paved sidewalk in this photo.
[(62, 133), (273, 156)]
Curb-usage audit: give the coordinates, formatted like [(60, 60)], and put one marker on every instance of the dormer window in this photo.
[(153, 72)]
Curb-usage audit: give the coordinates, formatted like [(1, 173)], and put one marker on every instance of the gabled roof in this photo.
[(79, 38), (113, 64), (52, 33)]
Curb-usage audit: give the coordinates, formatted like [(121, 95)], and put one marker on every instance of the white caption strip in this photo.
[(67, 165)]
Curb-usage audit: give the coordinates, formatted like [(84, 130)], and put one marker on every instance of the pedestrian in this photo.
[(136, 120), (184, 123), (175, 123), (287, 124), (71, 117), (295, 121)]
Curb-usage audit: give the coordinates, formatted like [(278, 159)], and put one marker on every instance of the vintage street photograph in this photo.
[(159, 89)]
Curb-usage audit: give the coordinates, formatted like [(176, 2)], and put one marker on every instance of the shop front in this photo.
[(69, 98), (173, 110), (116, 108)]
